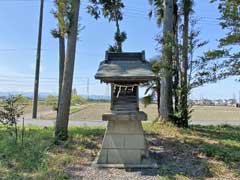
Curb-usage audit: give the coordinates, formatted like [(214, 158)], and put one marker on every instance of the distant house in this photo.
[(219, 102), (231, 102), (207, 102)]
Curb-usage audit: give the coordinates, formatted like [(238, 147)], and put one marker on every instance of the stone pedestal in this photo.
[(124, 144)]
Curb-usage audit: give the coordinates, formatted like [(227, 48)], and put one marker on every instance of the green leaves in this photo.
[(230, 39), (112, 10), (63, 13), (94, 11), (51, 100), (11, 109), (230, 21), (158, 10), (147, 100), (214, 54), (120, 37)]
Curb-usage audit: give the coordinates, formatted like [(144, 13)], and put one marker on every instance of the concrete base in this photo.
[(124, 145), (123, 116), (151, 165)]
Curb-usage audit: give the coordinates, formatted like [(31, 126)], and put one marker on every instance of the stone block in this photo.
[(135, 127), (124, 116), (124, 144), (113, 141), (102, 157), (135, 142), (124, 156), (124, 127)]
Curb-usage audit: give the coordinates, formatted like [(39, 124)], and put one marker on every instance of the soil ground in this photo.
[(94, 111)]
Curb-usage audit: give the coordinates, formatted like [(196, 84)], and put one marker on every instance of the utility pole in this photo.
[(239, 97), (38, 57), (88, 95)]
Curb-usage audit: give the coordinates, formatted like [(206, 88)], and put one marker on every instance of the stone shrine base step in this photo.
[(151, 165), (124, 145)]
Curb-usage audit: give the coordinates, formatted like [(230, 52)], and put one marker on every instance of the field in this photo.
[(94, 111), (215, 113), (196, 153)]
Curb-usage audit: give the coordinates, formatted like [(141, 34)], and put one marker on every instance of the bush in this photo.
[(23, 100), (11, 110), (51, 101), (76, 100)]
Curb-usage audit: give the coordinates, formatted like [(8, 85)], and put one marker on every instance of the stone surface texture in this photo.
[(124, 144)]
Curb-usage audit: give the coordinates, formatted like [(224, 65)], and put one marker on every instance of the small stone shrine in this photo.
[(124, 144)]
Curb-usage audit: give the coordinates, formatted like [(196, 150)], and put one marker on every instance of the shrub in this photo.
[(51, 101), (76, 100), (23, 100), (10, 111)]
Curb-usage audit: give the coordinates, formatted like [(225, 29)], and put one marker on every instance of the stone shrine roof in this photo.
[(129, 66)]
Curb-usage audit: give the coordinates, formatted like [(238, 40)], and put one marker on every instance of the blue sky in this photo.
[(18, 39)]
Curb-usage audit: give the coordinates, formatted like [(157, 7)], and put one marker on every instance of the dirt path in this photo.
[(104, 123), (203, 115), (49, 123)]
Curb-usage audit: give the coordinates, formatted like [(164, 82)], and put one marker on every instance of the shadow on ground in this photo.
[(200, 152), (176, 158), (195, 153)]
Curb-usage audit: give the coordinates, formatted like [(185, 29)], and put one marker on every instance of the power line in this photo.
[(130, 11), (32, 77)]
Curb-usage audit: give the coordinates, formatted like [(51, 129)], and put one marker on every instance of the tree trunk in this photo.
[(119, 44), (37, 70), (61, 64), (176, 58), (166, 80), (184, 84), (61, 131), (158, 97)]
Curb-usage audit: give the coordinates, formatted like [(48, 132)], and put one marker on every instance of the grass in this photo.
[(40, 158), (195, 153), (199, 152), (74, 109)]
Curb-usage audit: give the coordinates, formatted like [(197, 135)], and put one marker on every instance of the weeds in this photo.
[(40, 158), (195, 153)]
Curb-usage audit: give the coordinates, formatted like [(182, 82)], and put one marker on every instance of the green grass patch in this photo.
[(74, 109), (217, 148), (221, 142), (199, 152), (39, 158)]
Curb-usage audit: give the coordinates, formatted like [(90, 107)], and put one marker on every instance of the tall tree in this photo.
[(187, 8), (164, 12), (176, 59), (61, 131), (166, 80), (61, 32), (153, 88), (38, 57), (111, 9)]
